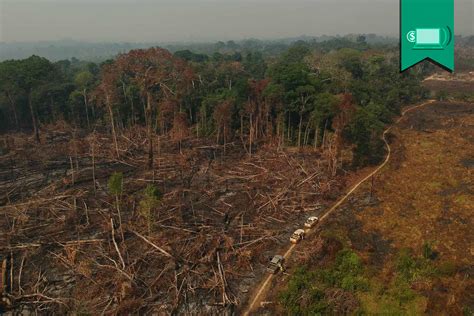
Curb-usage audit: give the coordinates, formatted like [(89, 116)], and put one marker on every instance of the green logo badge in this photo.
[(427, 31)]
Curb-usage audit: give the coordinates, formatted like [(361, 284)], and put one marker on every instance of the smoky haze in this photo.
[(202, 20)]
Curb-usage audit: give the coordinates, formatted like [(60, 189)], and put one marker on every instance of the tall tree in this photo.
[(34, 72), (84, 80), (10, 87), (159, 76)]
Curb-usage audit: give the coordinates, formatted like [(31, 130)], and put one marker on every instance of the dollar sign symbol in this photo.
[(411, 36)]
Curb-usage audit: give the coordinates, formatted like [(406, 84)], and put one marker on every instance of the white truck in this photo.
[(311, 222), (297, 236)]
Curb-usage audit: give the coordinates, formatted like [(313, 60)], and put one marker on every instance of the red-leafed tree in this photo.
[(159, 76), (168, 108), (223, 117), (180, 128), (345, 111)]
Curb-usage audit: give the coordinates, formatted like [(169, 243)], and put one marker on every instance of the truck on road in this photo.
[(276, 264)]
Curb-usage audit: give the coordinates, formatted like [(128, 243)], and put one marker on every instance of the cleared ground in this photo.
[(405, 244), (198, 246)]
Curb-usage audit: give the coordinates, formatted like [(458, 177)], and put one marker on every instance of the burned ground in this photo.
[(450, 86), (459, 83), (67, 246)]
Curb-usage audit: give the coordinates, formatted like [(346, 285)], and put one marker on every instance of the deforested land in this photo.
[(163, 182)]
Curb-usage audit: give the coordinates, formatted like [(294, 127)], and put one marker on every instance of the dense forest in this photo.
[(323, 95)]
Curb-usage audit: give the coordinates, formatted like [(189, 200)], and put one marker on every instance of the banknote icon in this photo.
[(429, 38)]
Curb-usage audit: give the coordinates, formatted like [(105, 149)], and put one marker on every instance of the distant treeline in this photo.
[(98, 52), (325, 95)]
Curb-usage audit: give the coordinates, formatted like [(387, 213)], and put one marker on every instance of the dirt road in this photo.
[(261, 290)]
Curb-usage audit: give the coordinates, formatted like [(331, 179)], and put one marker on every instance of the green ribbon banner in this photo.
[(427, 31)]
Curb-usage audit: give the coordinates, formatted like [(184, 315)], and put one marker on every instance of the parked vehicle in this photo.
[(276, 264), (297, 236), (311, 222)]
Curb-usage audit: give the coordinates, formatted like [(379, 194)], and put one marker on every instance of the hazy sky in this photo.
[(201, 20)]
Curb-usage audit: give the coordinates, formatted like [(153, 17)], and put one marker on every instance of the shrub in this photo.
[(427, 251), (402, 292), (405, 264), (305, 293), (346, 272), (410, 268), (115, 183), (151, 200), (354, 283), (348, 262), (302, 296)]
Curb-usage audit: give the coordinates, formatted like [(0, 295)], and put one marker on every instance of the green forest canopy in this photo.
[(296, 97)]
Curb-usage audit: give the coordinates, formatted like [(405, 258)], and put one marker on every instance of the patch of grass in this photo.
[(397, 296), (411, 268), (389, 304), (448, 268), (305, 293), (401, 291), (385, 299)]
